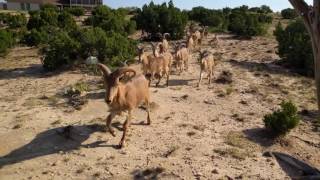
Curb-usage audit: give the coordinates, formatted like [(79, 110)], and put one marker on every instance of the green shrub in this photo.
[(76, 11), (245, 24), (289, 13), (241, 20), (208, 17), (93, 42), (49, 7), (6, 41), (264, 9), (295, 47), (283, 120), (109, 20), (44, 17), (164, 18), (16, 21), (61, 50), (35, 37), (66, 21)]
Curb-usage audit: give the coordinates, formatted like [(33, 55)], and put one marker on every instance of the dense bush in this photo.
[(76, 11), (162, 18), (110, 20), (36, 37), (109, 47), (16, 21), (61, 50), (241, 20), (66, 21), (264, 18), (6, 41), (295, 47), (262, 9), (13, 21), (289, 13), (45, 17), (245, 24), (283, 120), (207, 17)]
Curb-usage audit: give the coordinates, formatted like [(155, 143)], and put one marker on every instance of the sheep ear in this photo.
[(105, 70)]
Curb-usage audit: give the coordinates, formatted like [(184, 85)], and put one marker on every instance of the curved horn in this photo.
[(121, 71), (165, 35), (105, 70)]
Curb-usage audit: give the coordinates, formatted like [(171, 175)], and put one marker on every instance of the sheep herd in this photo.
[(126, 90)]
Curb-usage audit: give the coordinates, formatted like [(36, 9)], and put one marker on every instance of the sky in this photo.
[(276, 5)]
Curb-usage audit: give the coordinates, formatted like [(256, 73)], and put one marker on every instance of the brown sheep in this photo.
[(124, 96)]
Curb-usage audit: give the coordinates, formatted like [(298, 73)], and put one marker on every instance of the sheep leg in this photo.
[(186, 64), (148, 112), (210, 77), (168, 75), (159, 80), (125, 129), (108, 123), (200, 79)]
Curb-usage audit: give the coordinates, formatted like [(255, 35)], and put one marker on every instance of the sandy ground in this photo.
[(212, 132)]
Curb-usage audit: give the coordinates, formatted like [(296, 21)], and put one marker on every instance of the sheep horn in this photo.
[(105, 70), (121, 71)]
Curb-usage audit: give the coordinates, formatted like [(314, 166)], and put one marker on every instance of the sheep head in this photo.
[(112, 80)]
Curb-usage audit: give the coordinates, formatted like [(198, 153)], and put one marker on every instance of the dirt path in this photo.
[(210, 132)]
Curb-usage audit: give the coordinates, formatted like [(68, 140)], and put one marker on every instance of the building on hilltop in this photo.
[(31, 5)]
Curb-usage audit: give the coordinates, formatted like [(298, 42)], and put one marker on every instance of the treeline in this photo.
[(63, 42), (105, 33), (242, 21)]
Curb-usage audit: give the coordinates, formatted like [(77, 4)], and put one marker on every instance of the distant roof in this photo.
[(42, 1)]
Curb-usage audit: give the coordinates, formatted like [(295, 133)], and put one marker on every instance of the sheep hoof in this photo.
[(121, 144), (112, 132)]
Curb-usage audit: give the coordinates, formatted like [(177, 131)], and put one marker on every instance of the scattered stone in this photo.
[(209, 101), (215, 171), (225, 78)]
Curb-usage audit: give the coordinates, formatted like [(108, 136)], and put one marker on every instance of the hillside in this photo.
[(215, 131)]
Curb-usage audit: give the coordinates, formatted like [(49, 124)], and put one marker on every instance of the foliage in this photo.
[(207, 17), (66, 21), (241, 20), (289, 13), (35, 37), (262, 9), (283, 120), (295, 47), (6, 41), (110, 20), (16, 21), (76, 11), (45, 17), (13, 21), (49, 6), (164, 18), (61, 50), (245, 24)]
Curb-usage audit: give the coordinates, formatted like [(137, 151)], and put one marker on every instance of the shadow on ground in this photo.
[(270, 68), (150, 173), (54, 141), (293, 167), (260, 136)]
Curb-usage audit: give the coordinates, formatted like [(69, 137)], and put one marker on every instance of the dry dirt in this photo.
[(212, 132)]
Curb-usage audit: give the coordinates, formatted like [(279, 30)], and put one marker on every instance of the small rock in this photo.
[(215, 171)]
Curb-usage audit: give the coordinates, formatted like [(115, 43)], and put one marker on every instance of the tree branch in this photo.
[(301, 6), (303, 9)]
